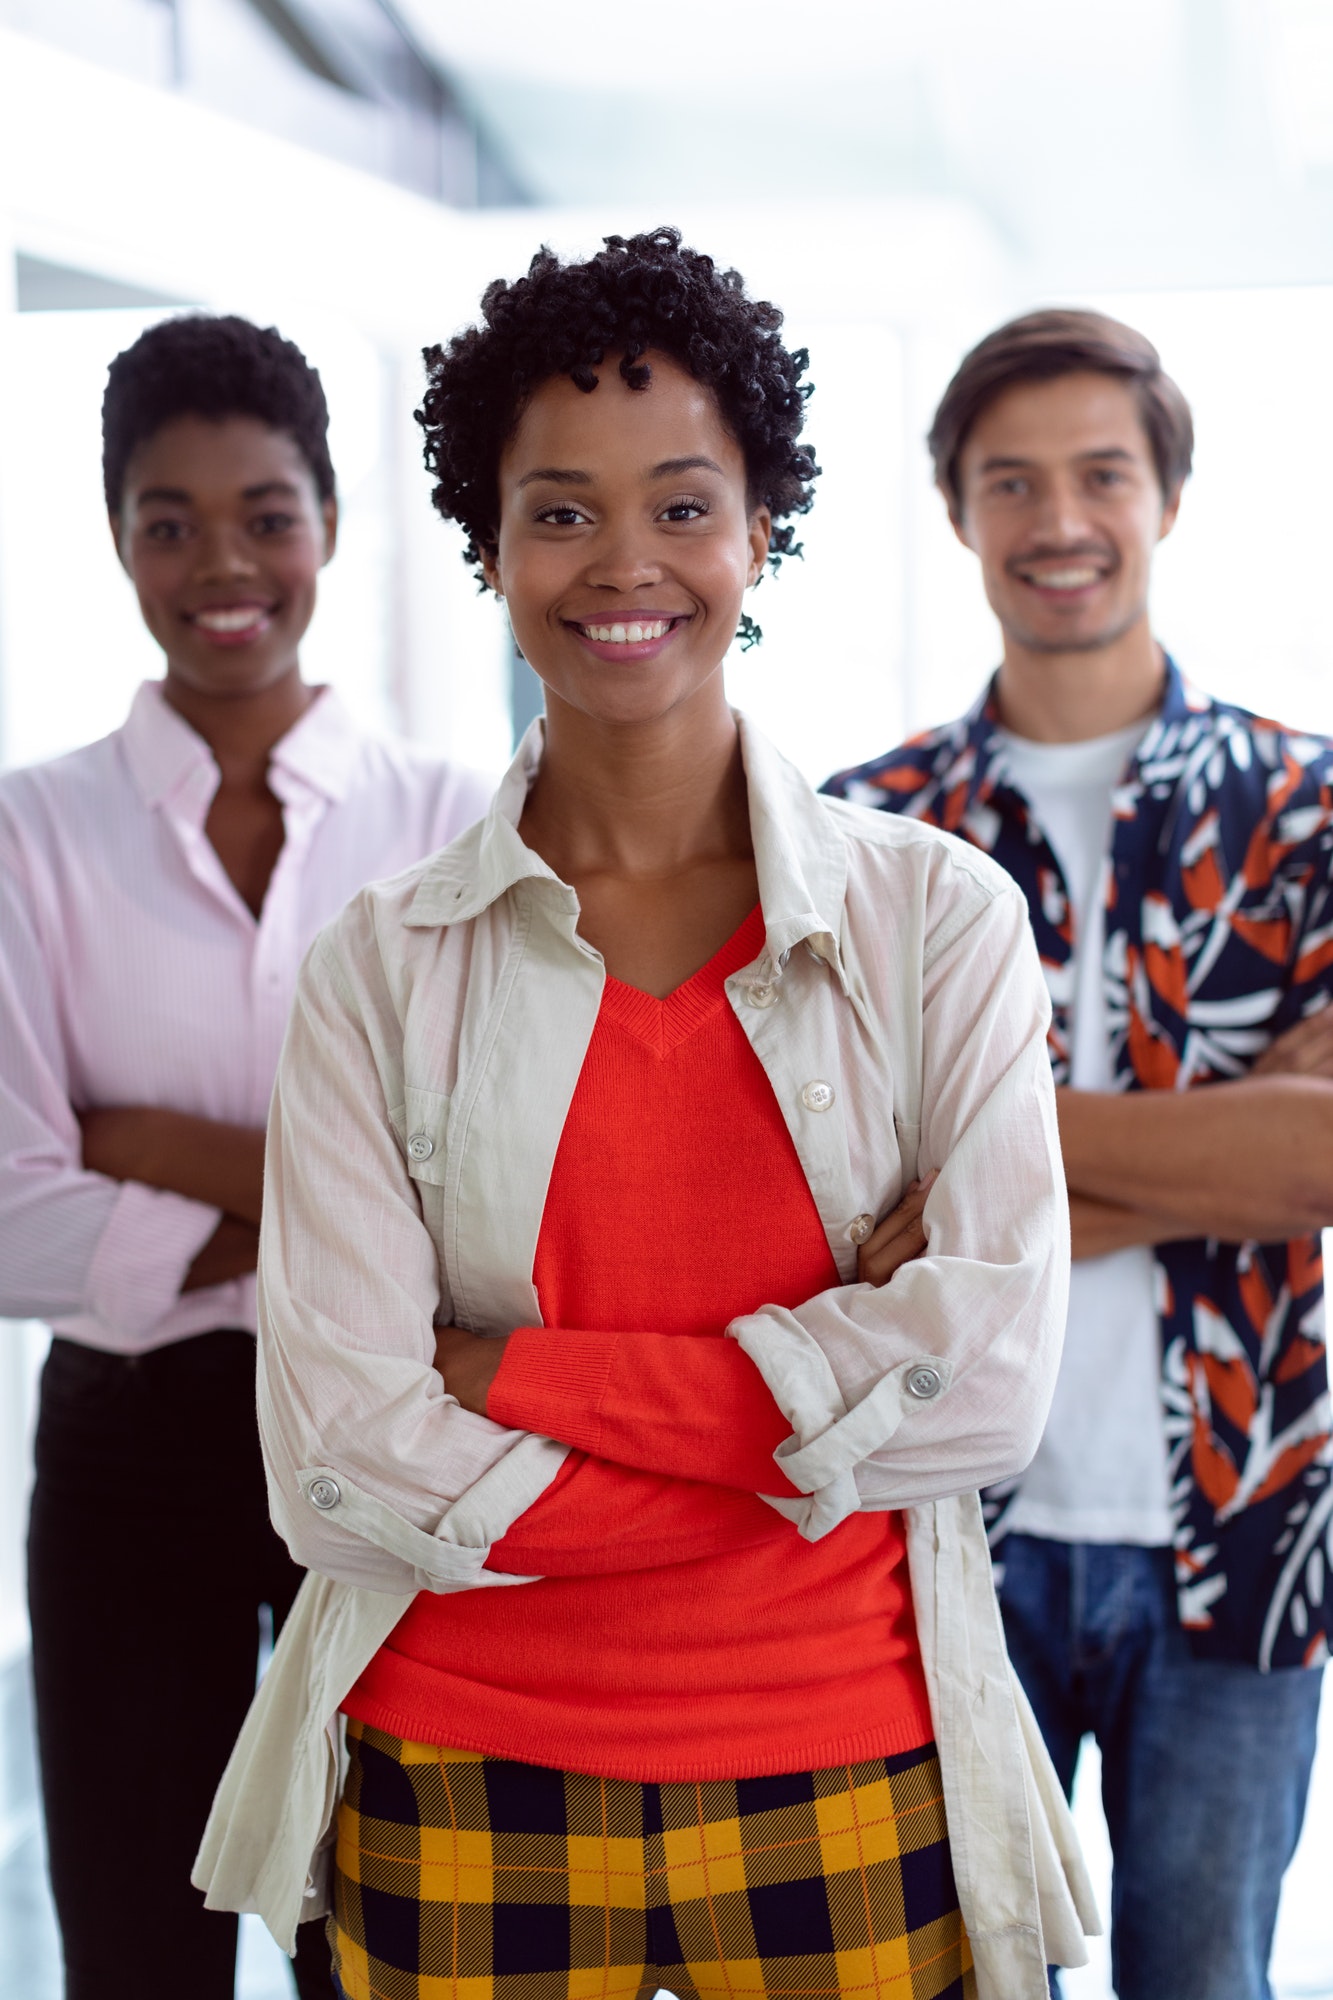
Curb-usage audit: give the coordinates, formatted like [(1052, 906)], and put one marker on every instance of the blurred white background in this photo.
[(897, 176)]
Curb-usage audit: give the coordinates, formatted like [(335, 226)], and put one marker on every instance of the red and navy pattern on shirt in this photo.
[(1219, 936)]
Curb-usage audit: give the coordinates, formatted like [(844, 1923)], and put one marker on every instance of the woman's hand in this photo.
[(203, 1158), (899, 1238), (122, 1141), (467, 1365), (232, 1251)]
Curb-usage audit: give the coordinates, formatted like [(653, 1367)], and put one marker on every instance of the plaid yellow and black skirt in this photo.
[(463, 1877)]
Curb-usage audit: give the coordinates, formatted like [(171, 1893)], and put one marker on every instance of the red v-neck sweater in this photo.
[(682, 1628)]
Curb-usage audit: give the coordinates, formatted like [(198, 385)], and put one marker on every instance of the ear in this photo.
[(329, 515), (490, 569), (761, 530), (116, 522), (957, 519), (1170, 509)]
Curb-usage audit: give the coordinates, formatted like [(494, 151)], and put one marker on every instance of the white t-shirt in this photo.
[(1100, 1473)]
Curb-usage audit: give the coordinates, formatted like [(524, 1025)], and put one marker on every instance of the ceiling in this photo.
[(1159, 142)]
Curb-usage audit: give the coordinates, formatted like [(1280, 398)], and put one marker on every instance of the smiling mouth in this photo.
[(626, 631), (1070, 577), (231, 621)]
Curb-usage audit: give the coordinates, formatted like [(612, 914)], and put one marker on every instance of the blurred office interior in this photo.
[(898, 175)]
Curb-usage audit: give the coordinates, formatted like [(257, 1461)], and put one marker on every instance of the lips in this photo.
[(632, 633), (1063, 579), (638, 635), (231, 624), (1065, 576)]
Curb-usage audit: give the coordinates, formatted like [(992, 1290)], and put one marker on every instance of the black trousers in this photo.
[(150, 1555)]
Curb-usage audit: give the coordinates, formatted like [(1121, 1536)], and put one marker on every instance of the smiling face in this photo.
[(626, 541), (223, 534), (1060, 500)]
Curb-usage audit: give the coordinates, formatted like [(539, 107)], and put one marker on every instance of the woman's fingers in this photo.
[(899, 1238), (467, 1364)]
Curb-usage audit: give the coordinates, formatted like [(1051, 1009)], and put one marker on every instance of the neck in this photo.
[(241, 729), (639, 799), (1070, 697)]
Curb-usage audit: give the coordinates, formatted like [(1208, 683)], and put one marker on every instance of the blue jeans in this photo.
[(1205, 1764)]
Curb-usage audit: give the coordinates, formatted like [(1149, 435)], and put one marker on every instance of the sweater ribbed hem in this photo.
[(574, 1752)]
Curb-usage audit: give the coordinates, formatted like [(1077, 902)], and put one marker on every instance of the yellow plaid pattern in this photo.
[(463, 1877)]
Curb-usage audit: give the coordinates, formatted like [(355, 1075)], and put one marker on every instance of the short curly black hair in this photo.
[(639, 294), (214, 366)]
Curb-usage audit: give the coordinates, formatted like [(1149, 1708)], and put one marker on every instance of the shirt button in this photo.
[(924, 1382), (861, 1228), (762, 993), (817, 1096), (421, 1145), (324, 1493)]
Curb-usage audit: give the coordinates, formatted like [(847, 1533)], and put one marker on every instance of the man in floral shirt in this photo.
[(1165, 1562)]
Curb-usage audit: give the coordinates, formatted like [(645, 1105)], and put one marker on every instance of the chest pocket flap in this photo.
[(424, 1130)]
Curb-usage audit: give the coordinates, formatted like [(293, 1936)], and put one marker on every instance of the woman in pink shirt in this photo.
[(158, 891)]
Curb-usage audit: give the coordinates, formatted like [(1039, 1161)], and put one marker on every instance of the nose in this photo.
[(1063, 515), (624, 557), (223, 556)]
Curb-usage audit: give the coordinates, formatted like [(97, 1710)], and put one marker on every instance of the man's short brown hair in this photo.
[(1040, 346)]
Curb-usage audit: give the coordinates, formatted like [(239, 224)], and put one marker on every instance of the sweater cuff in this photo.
[(553, 1382)]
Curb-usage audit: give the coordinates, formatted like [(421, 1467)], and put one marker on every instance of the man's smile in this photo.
[(1062, 576)]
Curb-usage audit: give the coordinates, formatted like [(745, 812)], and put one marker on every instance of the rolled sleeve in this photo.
[(72, 1243), (143, 1256), (939, 1381), (376, 1476)]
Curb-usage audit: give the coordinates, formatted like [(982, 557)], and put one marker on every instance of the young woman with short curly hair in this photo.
[(158, 890), (662, 1658)]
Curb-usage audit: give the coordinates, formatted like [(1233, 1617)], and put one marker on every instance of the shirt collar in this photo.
[(799, 854), (980, 763), (166, 757), (322, 749)]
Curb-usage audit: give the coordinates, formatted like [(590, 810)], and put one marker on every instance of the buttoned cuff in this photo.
[(144, 1254), (829, 1441), (454, 1556)]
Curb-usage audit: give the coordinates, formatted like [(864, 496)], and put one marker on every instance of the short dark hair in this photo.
[(637, 295), (212, 366), (1040, 346)]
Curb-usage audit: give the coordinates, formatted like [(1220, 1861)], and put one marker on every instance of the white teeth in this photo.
[(1063, 579), (229, 621), (628, 635)]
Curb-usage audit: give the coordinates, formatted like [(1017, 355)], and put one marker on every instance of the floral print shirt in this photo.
[(1219, 935)]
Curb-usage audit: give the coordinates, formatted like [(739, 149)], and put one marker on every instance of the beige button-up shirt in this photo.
[(439, 1030)]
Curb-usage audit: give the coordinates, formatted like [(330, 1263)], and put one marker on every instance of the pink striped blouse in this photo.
[(132, 973)]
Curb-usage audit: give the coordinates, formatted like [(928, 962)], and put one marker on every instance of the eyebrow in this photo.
[(667, 468), (176, 496), (1003, 464)]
